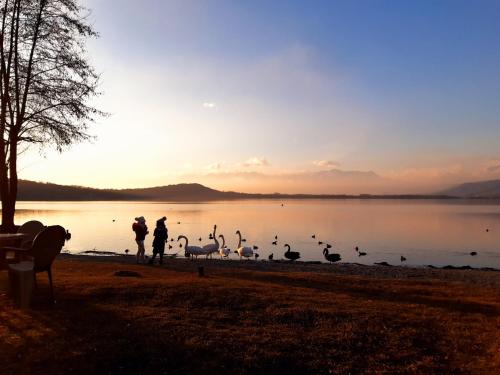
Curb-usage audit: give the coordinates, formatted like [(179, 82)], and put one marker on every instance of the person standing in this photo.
[(161, 236), (141, 230)]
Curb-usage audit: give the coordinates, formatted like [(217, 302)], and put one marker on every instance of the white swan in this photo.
[(192, 251), (224, 251), (212, 247), (243, 252)]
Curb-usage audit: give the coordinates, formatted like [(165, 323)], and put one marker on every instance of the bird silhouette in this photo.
[(114, 220), (243, 240), (292, 255), (275, 243), (403, 259), (313, 236), (68, 235), (276, 237), (199, 239), (169, 246), (331, 257), (473, 253), (126, 251), (256, 256), (271, 256), (255, 247), (320, 242)]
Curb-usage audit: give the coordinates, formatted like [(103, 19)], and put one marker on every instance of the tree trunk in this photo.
[(8, 211)]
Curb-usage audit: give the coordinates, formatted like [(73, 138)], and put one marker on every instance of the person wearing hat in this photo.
[(161, 236), (141, 230)]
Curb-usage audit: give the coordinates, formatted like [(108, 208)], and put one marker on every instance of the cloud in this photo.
[(214, 166), (326, 163), (210, 105), (256, 162), (494, 168)]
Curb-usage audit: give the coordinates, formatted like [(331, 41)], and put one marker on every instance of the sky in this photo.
[(289, 96)]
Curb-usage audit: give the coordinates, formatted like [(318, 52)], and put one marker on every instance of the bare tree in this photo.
[(46, 84)]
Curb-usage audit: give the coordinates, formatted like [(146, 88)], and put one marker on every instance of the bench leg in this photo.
[(49, 271)]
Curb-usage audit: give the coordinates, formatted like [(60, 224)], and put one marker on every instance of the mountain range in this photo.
[(480, 189), (40, 191)]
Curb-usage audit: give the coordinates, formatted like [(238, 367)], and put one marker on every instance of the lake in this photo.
[(425, 232)]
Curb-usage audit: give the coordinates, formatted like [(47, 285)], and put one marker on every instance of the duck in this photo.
[(331, 257), (473, 253), (275, 243), (313, 236), (256, 256), (403, 259), (292, 255), (67, 235), (271, 256), (243, 252), (254, 247), (276, 237), (212, 247), (320, 243), (191, 251), (360, 253), (223, 251)]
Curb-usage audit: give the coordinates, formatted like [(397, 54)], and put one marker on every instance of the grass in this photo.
[(247, 320)]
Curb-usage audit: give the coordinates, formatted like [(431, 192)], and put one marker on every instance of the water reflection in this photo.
[(425, 232)]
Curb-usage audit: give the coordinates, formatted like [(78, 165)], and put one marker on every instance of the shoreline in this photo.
[(115, 255), (474, 275)]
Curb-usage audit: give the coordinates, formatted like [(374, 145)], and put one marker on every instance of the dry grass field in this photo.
[(253, 318)]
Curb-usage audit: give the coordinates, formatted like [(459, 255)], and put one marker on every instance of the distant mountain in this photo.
[(40, 191), (481, 189)]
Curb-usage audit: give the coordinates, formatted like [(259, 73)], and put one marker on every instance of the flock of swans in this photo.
[(246, 252)]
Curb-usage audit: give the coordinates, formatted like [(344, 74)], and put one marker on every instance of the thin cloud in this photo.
[(214, 167), (209, 105), (326, 164), (256, 162)]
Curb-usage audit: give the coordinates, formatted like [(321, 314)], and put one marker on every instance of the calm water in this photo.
[(425, 232)]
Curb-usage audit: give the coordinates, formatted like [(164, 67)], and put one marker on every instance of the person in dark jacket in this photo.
[(161, 236), (141, 230)]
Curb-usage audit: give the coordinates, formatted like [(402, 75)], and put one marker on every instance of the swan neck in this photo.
[(239, 241)]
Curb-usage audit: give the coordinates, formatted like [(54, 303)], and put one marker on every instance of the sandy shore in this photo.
[(253, 317)]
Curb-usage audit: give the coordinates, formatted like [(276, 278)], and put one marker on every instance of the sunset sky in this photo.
[(290, 96)]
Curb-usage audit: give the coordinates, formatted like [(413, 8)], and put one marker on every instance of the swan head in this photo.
[(287, 245), (221, 236), (238, 232), (181, 236)]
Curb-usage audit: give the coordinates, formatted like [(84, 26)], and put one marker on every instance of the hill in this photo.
[(480, 189), (41, 191)]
